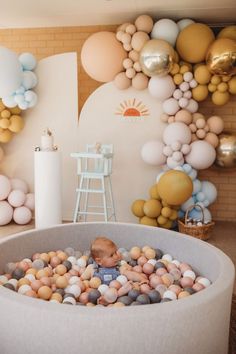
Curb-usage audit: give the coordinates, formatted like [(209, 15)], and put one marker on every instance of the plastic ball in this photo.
[(22, 215), (6, 213), (175, 187), (16, 198), (193, 42), (152, 208)]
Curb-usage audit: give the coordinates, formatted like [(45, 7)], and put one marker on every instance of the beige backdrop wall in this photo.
[(43, 42)]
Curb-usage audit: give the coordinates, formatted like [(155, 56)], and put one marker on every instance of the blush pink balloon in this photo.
[(22, 215), (152, 153), (6, 212), (177, 131), (201, 156), (16, 198), (5, 187)]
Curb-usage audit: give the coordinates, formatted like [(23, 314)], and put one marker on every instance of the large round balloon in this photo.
[(165, 29), (152, 153), (102, 56), (221, 57), (202, 155), (175, 187), (157, 57), (226, 151), (177, 131), (193, 42), (209, 191), (161, 87), (10, 72)]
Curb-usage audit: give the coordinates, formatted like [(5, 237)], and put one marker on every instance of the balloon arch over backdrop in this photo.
[(180, 64)]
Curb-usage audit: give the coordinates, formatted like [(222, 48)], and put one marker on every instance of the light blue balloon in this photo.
[(181, 214), (200, 196), (187, 204), (34, 100), (206, 203), (27, 61), (19, 98), (209, 190), (197, 186), (193, 174), (29, 80), (187, 168), (23, 105), (20, 90), (179, 168), (9, 101), (197, 214)]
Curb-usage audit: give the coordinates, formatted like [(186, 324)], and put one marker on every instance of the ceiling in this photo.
[(53, 13)]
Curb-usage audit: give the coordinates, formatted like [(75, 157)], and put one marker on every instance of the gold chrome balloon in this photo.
[(157, 57), (221, 57), (226, 151)]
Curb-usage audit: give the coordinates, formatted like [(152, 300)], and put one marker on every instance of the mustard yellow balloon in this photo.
[(193, 42), (228, 32), (5, 113), (5, 136), (202, 75), (4, 123), (175, 187), (16, 124), (174, 215), (167, 225), (166, 212), (220, 98), (221, 57), (212, 88), (178, 79), (162, 220), (15, 110), (137, 208), (200, 92), (145, 220), (2, 106), (215, 80), (232, 85), (152, 208), (154, 193), (222, 87)]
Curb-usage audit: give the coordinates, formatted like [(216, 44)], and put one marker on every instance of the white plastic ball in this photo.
[(16, 198), (5, 187), (6, 213), (103, 288), (167, 257), (190, 274), (169, 295), (22, 215), (205, 282), (81, 262)]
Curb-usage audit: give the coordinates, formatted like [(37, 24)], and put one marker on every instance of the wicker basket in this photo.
[(202, 232)]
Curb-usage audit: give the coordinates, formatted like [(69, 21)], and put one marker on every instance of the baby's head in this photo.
[(104, 252)]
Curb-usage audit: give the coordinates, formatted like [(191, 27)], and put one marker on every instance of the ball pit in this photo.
[(31, 325)]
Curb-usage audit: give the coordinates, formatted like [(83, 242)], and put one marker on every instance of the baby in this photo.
[(105, 254)]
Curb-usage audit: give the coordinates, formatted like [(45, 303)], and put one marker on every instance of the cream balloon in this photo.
[(201, 156), (157, 57)]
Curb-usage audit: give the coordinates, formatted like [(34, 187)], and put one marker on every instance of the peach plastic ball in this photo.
[(5, 187), (6, 212), (140, 81), (102, 56), (22, 215), (183, 116), (216, 124), (161, 87), (152, 153), (16, 198), (138, 40), (170, 106), (17, 183), (137, 208), (175, 187), (177, 131), (201, 156), (165, 29), (152, 208), (193, 42), (29, 201), (121, 81), (144, 23)]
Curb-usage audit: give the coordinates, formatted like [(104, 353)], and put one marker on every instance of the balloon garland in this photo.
[(180, 64)]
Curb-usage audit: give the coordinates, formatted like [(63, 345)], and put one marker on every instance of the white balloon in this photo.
[(184, 23), (192, 106), (177, 131), (202, 155), (172, 164), (165, 29), (152, 153), (10, 72), (161, 87), (170, 106), (9, 101)]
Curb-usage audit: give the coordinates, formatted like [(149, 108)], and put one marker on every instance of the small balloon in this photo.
[(157, 57), (221, 57)]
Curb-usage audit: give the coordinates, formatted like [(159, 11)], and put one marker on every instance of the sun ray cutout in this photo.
[(132, 108)]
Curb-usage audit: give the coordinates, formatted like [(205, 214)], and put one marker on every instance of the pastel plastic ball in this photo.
[(165, 29), (102, 56), (175, 187), (152, 153), (16, 198), (22, 215), (201, 156), (161, 87), (29, 201), (144, 23), (193, 42), (5, 187), (170, 106), (17, 183), (28, 61), (6, 213), (216, 124), (177, 131)]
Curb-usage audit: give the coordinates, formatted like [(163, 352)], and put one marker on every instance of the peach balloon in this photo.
[(138, 40), (216, 124), (212, 139), (121, 81), (140, 81), (144, 23), (1, 154), (183, 116), (102, 56)]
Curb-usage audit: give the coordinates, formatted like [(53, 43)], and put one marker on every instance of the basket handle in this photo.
[(190, 208)]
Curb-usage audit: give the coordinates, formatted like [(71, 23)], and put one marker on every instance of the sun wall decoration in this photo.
[(132, 110), (180, 64)]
